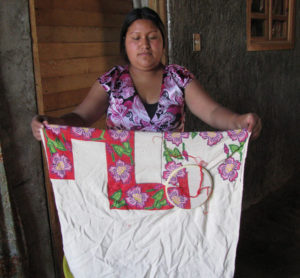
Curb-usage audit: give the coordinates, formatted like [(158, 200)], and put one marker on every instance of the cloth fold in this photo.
[(142, 204)]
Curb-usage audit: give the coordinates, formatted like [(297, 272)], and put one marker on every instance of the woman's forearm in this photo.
[(223, 118), (73, 119)]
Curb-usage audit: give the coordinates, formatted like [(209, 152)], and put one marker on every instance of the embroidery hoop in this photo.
[(174, 172)]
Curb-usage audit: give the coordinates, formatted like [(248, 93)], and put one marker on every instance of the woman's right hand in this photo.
[(38, 122)]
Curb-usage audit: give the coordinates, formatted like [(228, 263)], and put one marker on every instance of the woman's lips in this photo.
[(145, 54)]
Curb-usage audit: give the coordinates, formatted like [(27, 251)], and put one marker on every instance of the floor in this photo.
[(269, 244)]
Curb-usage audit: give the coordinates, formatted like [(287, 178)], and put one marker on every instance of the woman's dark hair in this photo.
[(135, 14)]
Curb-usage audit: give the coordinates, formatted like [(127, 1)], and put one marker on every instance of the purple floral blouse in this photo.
[(126, 109)]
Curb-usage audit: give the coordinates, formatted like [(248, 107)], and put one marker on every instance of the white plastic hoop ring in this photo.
[(174, 172)]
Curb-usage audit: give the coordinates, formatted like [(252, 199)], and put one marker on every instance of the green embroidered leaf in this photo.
[(158, 205), (163, 202), (119, 204), (117, 195), (158, 195), (44, 130), (234, 148), (118, 149), (167, 156), (127, 152), (101, 137), (194, 134), (63, 136), (127, 146), (98, 138), (150, 190), (59, 145), (149, 207), (176, 153), (51, 147), (113, 157)]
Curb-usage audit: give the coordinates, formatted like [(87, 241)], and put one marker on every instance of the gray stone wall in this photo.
[(265, 82), (22, 154)]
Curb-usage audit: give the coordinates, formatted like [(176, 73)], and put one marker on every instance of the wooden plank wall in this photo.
[(77, 40), (74, 42)]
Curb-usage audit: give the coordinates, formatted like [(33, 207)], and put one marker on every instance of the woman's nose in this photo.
[(145, 43)]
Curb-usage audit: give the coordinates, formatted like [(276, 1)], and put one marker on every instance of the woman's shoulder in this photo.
[(180, 74), (116, 70), (175, 67), (111, 76)]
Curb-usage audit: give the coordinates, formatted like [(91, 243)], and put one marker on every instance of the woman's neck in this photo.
[(145, 74), (147, 83)]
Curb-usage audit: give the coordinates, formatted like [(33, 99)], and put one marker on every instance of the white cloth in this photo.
[(102, 240)]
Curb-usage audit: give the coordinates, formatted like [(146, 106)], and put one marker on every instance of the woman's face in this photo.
[(144, 44)]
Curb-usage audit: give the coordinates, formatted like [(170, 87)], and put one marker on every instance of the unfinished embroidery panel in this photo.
[(141, 204)]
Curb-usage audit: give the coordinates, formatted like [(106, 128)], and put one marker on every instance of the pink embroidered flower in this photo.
[(239, 134), (55, 128), (121, 172), (176, 137), (171, 166), (185, 155), (176, 198), (212, 137), (226, 150), (136, 198), (60, 164), (85, 132), (229, 169), (119, 134)]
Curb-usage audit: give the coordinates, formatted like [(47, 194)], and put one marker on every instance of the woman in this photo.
[(145, 94)]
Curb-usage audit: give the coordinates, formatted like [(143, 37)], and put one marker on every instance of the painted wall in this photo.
[(265, 82), (22, 154)]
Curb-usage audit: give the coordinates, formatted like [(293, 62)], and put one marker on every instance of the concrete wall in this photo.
[(22, 154), (265, 82)]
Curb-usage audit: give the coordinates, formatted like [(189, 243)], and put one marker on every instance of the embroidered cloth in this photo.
[(126, 109), (142, 204)]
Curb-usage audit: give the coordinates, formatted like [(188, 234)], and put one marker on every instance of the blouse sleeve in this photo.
[(107, 80), (181, 75)]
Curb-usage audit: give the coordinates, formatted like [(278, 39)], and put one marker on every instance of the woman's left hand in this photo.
[(252, 122)]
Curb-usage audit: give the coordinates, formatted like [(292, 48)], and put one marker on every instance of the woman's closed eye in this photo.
[(135, 38)]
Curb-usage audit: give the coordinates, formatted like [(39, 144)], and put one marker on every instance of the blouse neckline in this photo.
[(150, 106)]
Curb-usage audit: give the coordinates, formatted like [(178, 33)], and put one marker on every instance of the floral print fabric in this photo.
[(124, 192), (142, 204), (126, 110)]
